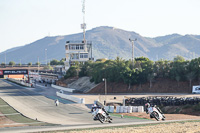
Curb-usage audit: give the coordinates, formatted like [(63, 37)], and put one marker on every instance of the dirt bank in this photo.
[(160, 85)]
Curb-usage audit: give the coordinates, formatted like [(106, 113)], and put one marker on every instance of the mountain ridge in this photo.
[(108, 42)]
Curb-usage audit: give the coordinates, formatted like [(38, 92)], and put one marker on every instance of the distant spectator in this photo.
[(56, 102)]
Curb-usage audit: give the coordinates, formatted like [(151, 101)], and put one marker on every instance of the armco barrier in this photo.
[(62, 88), (71, 98), (19, 82)]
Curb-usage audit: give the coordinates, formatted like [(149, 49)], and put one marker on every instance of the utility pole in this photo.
[(83, 26), (46, 55), (104, 79), (132, 41), (38, 65), (5, 58)]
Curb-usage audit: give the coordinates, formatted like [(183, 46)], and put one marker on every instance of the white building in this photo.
[(77, 51)]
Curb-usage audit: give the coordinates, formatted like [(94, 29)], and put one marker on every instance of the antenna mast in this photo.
[(83, 26)]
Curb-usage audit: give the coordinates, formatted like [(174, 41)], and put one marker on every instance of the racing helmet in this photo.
[(147, 105)]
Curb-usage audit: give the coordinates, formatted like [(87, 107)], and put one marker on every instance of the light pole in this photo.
[(104, 79), (38, 65), (46, 55), (5, 58), (132, 41)]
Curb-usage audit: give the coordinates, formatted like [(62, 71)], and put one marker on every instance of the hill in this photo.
[(108, 42)]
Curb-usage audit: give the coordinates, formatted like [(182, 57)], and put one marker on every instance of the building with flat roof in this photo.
[(77, 51)]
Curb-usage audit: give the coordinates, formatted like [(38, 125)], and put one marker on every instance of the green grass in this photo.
[(126, 116), (7, 110), (197, 107), (19, 118), (2, 102)]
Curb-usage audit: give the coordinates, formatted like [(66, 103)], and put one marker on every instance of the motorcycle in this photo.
[(155, 113), (101, 115)]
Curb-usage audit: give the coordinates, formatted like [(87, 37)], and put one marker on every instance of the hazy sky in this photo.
[(25, 21)]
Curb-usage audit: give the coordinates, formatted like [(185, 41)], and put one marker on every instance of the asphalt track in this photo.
[(39, 103)]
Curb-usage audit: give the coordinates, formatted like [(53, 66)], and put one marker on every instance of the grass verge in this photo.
[(18, 118), (126, 116)]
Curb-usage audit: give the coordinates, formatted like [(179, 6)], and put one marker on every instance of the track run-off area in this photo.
[(38, 104)]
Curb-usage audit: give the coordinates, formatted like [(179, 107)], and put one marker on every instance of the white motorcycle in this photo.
[(154, 113), (101, 115)]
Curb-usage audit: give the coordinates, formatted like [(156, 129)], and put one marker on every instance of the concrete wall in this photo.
[(71, 98), (62, 88), (19, 82)]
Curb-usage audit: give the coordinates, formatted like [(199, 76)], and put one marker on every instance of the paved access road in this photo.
[(32, 104)]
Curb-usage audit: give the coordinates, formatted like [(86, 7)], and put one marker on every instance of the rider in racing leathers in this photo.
[(147, 106), (97, 104)]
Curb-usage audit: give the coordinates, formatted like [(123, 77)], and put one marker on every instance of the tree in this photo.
[(190, 76), (62, 61), (101, 60), (48, 67), (54, 62), (30, 64), (150, 78), (179, 58), (86, 69), (71, 72), (12, 63), (3, 64), (142, 59), (178, 79), (37, 63)]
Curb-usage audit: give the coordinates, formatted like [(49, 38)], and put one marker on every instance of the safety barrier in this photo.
[(71, 98), (62, 88), (19, 82), (129, 109), (162, 101), (109, 109)]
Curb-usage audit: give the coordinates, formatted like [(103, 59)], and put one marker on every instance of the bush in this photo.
[(197, 107), (186, 106), (71, 72)]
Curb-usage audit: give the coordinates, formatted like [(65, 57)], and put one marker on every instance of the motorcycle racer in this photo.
[(154, 112)]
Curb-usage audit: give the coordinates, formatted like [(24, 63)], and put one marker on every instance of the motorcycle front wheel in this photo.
[(156, 116), (101, 118)]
